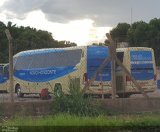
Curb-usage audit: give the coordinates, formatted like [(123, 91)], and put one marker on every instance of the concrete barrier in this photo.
[(122, 105), (26, 108), (132, 105)]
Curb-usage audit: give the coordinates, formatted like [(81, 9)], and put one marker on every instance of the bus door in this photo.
[(120, 82), (95, 58)]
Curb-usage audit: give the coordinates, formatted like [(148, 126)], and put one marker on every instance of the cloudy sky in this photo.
[(80, 21)]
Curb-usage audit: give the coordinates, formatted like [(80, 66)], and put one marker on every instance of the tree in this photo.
[(138, 34), (154, 37), (119, 33), (27, 38), (3, 43), (142, 34)]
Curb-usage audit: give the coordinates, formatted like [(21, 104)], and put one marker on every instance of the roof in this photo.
[(44, 51), (49, 50), (133, 48)]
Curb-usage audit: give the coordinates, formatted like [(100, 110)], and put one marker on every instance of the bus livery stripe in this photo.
[(43, 74)]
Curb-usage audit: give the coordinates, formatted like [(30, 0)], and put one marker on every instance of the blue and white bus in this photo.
[(3, 78), (140, 62), (55, 68)]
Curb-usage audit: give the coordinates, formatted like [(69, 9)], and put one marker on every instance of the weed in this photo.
[(75, 103)]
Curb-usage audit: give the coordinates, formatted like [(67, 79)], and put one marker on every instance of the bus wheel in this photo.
[(19, 92), (107, 95), (124, 95), (58, 90)]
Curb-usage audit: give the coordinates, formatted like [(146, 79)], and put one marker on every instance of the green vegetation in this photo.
[(76, 113), (68, 123), (74, 103), (129, 122)]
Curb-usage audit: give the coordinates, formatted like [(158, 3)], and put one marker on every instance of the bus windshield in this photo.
[(142, 65), (141, 60)]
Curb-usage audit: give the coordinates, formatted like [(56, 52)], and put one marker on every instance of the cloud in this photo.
[(82, 32), (79, 21), (22, 6), (103, 12)]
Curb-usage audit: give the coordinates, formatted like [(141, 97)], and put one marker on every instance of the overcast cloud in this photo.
[(103, 12)]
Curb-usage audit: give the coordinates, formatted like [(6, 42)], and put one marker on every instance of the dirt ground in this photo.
[(155, 94), (5, 97)]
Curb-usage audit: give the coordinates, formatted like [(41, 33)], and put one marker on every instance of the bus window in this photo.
[(54, 59)]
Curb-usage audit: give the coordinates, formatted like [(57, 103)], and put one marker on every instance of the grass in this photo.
[(67, 123), (139, 120)]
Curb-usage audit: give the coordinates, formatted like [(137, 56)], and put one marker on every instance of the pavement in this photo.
[(5, 97), (155, 94)]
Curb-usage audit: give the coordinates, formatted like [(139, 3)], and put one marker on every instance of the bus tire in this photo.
[(107, 95), (58, 90), (124, 95), (19, 92)]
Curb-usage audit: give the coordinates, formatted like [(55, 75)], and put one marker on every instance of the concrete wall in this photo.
[(26, 108), (132, 105), (129, 105)]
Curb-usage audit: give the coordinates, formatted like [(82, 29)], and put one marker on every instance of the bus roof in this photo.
[(133, 48), (49, 50), (45, 51)]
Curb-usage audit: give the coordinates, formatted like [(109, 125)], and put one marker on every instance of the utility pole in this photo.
[(131, 16), (9, 37), (112, 51)]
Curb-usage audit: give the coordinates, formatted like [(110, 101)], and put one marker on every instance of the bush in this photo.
[(74, 103)]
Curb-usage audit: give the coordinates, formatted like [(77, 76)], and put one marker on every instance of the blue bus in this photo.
[(140, 62), (56, 68), (4, 78)]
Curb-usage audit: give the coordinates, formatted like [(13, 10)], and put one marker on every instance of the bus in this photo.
[(56, 68), (140, 62), (158, 77), (3, 78)]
